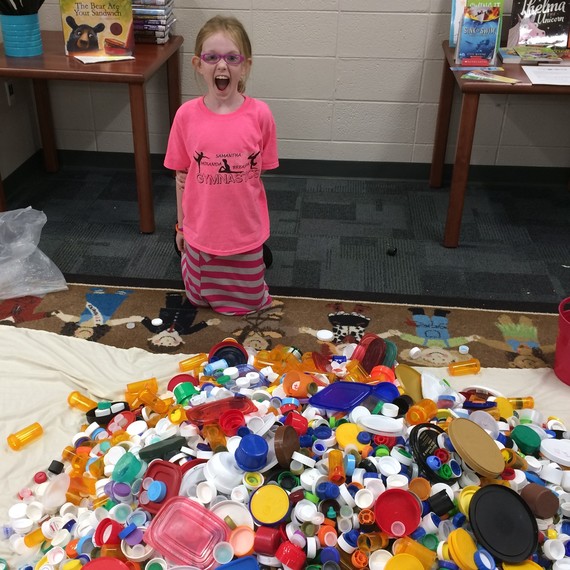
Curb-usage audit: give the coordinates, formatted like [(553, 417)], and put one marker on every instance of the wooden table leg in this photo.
[(45, 122), (3, 205), (174, 87), (465, 136), (442, 126), (142, 157)]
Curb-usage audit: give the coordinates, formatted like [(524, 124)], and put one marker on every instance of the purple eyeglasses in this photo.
[(229, 58)]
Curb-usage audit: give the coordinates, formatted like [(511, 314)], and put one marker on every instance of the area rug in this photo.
[(162, 321)]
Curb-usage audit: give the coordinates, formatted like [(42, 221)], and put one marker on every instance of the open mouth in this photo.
[(221, 82)]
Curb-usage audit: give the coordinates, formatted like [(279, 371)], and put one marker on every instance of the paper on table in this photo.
[(102, 59), (548, 75)]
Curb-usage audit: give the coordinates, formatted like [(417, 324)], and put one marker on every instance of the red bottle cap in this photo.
[(179, 378), (40, 477), (267, 540), (107, 533), (298, 422), (230, 421), (291, 555)]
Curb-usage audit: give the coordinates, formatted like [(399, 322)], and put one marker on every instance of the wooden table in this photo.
[(470, 92), (53, 64)]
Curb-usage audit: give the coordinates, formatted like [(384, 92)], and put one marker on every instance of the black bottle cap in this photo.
[(368, 466), (55, 467), (440, 503), (403, 402)]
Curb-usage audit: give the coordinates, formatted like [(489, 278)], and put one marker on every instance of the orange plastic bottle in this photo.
[(421, 412), (80, 401), (25, 436), (471, 366), (337, 474), (407, 545)]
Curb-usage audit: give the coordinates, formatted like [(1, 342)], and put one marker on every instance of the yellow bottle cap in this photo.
[(403, 562), (525, 565), (462, 549), (465, 496), (347, 434), (269, 504)]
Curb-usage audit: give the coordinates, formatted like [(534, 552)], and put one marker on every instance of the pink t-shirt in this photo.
[(224, 202)]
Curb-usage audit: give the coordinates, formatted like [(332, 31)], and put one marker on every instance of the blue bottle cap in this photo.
[(351, 537), (322, 432), (364, 437), (330, 554), (156, 491), (251, 454)]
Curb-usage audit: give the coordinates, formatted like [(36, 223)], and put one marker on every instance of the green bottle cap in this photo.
[(184, 391)]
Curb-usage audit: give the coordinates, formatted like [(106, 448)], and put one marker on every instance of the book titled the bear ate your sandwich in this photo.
[(97, 27)]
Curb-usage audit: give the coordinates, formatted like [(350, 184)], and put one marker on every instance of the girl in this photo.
[(219, 144)]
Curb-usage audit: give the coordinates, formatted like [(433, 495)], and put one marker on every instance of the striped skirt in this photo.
[(232, 285)]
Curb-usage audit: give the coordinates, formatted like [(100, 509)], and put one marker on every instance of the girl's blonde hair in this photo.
[(235, 30)]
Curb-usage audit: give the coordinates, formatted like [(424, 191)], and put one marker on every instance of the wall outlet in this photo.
[(10, 93)]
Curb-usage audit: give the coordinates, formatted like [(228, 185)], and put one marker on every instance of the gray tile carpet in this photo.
[(351, 238)]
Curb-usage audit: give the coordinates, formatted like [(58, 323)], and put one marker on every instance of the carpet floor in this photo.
[(365, 239)]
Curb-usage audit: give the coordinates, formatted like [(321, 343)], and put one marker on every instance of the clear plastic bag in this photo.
[(25, 269)]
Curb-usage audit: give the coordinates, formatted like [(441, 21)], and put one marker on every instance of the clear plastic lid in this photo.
[(185, 532)]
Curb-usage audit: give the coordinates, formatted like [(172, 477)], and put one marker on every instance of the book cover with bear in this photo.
[(97, 27)]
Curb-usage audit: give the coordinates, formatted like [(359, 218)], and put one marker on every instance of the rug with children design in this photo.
[(162, 321)]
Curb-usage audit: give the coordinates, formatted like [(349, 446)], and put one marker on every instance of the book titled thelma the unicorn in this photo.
[(539, 22)]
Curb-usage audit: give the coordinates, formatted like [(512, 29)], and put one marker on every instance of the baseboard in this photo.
[(361, 296), (325, 168)]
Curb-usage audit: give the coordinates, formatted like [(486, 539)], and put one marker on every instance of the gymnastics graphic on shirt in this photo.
[(226, 168)]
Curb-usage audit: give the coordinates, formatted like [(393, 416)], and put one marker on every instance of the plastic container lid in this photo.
[(503, 523), (411, 379), (476, 447), (370, 351), (462, 549), (210, 412), (186, 533), (398, 512), (342, 396), (106, 563), (229, 350), (238, 512), (165, 472), (403, 561), (557, 450)]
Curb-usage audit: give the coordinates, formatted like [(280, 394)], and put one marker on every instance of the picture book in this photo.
[(457, 9), (563, 54), (533, 55), (539, 22), (509, 55), (97, 27), (479, 33)]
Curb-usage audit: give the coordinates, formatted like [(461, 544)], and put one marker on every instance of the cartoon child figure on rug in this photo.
[(520, 342), (432, 335), (22, 310), (95, 320), (219, 145), (177, 318)]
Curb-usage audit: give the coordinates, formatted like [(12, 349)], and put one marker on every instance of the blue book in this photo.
[(480, 33)]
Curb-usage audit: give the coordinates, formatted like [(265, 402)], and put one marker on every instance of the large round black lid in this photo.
[(503, 523)]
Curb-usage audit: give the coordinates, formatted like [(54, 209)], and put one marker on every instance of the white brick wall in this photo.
[(346, 80)]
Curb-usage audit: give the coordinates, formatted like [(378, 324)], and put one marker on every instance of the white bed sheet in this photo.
[(39, 369)]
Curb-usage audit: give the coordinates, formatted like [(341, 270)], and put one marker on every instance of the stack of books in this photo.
[(152, 20)]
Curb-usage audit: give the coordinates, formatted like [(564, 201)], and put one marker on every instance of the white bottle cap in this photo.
[(415, 352), (325, 335)]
